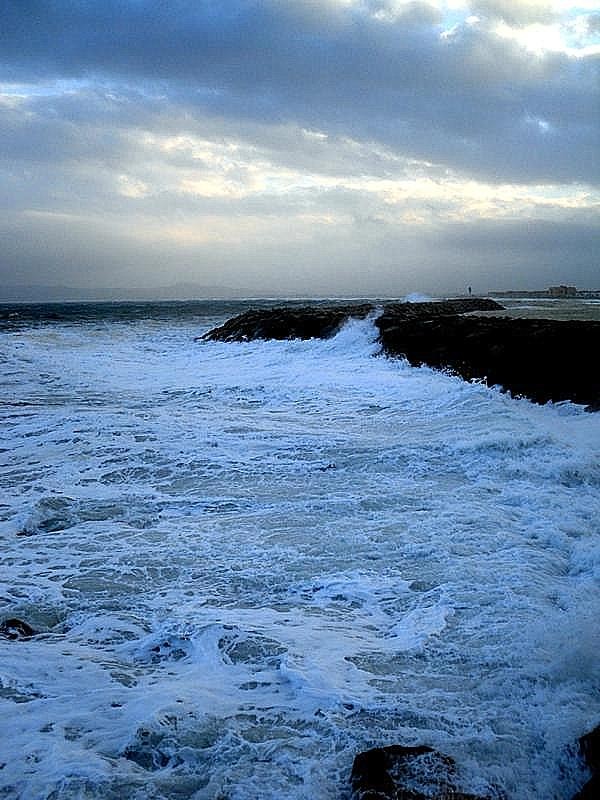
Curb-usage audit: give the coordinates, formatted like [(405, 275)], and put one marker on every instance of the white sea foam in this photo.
[(250, 561), (417, 297)]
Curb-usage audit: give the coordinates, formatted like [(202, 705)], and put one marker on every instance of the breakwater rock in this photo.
[(322, 322), (539, 359), (543, 360), (308, 322)]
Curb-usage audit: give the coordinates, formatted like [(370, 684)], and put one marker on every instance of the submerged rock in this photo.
[(16, 629), (151, 750), (405, 773)]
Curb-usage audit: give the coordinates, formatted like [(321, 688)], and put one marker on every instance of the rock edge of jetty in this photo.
[(540, 359)]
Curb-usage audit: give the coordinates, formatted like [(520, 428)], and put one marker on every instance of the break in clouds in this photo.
[(295, 146)]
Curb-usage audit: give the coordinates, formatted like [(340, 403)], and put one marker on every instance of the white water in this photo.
[(251, 561)]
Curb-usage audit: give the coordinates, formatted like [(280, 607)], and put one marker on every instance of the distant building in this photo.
[(562, 291)]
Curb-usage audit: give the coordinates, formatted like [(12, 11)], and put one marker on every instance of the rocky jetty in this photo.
[(308, 322), (322, 322), (543, 360)]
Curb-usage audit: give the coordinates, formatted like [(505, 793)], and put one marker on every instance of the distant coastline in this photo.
[(561, 292), (192, 291)]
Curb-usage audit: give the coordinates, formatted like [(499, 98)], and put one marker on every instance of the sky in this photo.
[(316, 147)]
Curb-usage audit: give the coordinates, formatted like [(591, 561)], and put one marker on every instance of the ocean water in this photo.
[(249, 562), (549, 308)]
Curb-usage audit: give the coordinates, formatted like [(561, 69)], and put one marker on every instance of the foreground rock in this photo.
[(543, 360), (536, 358), (421, 773), (405, 773)]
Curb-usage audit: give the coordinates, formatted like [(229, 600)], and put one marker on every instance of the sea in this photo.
[(245, 563)]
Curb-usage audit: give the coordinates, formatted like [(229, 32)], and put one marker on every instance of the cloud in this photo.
[(528, 253), (254, 138), (517, 12), (463, 99)]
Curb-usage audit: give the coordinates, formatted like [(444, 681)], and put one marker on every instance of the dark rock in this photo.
[(398, 313), (16, 629), (543, 360), (152, 750), (287, 323), (147, 758), (322, 322), (589, 749), (591, 790), (370, 777), (405, 773)]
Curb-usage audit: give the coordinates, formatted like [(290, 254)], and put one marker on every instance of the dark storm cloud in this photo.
[(471, 100)]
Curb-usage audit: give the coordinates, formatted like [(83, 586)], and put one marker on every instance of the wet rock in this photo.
[(322, 322), (398, 313), (405, 773), (167, 651), (370, 778), (16, 629), (589, 749), (543, 360), (287, 323), (591, 790), (149, 750)]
